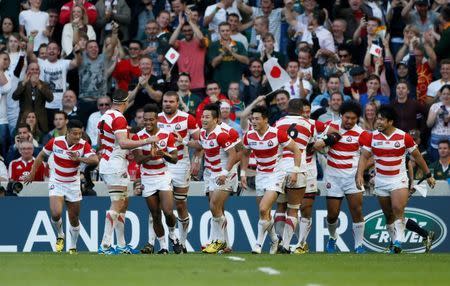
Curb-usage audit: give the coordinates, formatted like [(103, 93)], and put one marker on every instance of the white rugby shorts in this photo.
[(385, 185), (152, 184), (180, 173), (70, 191), (340, 186)]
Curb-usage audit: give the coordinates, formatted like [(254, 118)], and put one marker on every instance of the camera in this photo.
[(13, 188)]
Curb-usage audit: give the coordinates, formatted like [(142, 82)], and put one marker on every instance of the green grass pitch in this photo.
[(33, 269)]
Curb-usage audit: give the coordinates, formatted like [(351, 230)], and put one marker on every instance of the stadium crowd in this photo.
[(64, 63)]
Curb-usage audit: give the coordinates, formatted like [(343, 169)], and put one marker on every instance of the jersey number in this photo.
[(292, 131)]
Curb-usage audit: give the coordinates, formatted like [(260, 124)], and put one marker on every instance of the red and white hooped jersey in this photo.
[(65, 170), (113, 157), (156, 165), (298, 129), (215, 144), (234, 135), (318, 128), (267, 147), (343, 156), (18, 169), (182, 123), (389, 152)]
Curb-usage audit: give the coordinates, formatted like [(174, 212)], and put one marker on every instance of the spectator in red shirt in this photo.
[(21, 167), (213, 96), (66, 10), (127, 71)]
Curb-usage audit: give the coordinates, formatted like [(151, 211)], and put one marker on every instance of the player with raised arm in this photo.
[(64, 183), (183, 126), (266, 141), (114, 142), (155, 179), (342, 164), (301, 131), (389, 146)]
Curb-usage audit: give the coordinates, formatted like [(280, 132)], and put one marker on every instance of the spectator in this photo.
[(440, 168), (66, 9), (261, 28), (113, 11), (23, 134), (352, 15), (335, 102), (358, 85), (154, 47), (163, 21), (138, 121), (103, 104), (280, 109), (7, 28), (32, 94), (298, 87), (255, 83), (236, 27), (237, 106), (55, 29), (3, 170), (269, 50), (369, 119), (178, 9), (189, 101), (410, 113), (127, 70), (69, 105), (216, 14), (19, 168), (309, 6), (438, 119), (193, 46), (333, 85), (144, 17), (338, 28), (60, 122), (373, 92), (436, 85), (5, 88), (225, 112), (443, 45), (31, 119), (213, 96), (54, 72), (421, 17), (226, 57), (71, 31), (362, 41), (305, 60), (34, 20)]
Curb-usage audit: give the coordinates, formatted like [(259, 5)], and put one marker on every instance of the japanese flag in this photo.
[(276, 75), (172, 56), (375, 50)]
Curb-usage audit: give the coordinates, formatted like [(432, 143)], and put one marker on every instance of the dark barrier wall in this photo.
[(25, 224)]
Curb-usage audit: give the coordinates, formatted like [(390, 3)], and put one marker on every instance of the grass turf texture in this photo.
[(84, 269)]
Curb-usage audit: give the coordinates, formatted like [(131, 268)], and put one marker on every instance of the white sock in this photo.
[(332, 229), (288, 232), (215, 228), (110, 223), (391, 230), (358, 233), (74, 233), (279, 221), (399, 225), (304, 229), (162, 242), (263, 226), (225, 232), (57, 225), (271, 232), (183, 226), (151, 231), (120, 230)]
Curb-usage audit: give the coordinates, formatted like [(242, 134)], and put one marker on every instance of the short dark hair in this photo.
[(284, 92), (232, 15), (224, 24), (445, 86), (375, 19), (214, 108), (261, 109), (373, 76), (295, 105), (351, 106), (172, 93), (74, 123), (151, 108), (61, 112), (209, 82), (119, 96), (444, 141), (334, 75), (337, 92), (320, 16), (305, 102), (135, 42), (387, 111), (23, 125), (402, 81)]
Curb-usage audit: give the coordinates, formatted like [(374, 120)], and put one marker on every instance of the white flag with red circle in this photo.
[(172, 56), (276, 75), (375, 50)]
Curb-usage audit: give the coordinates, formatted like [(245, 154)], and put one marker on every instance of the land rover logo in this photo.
[(376, 237)]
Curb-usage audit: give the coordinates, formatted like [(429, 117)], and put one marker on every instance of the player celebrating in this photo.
[(265, 141), (156, 181), (389, 146), (220, 170), (183, 125), (300, 130), (113, 141), (342, 163), (64, 183)]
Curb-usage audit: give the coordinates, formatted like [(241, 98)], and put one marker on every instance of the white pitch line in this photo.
[(269, 270), (236, 258), (313, 285)]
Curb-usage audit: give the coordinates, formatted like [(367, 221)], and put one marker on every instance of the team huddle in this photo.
[(277, 162)]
